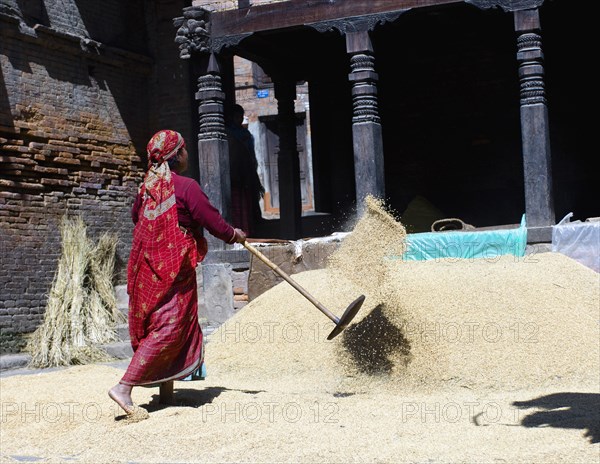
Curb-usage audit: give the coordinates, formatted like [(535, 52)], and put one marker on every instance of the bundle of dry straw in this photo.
[(81, 312)]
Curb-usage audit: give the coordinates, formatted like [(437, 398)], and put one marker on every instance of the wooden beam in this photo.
[(295, 13)]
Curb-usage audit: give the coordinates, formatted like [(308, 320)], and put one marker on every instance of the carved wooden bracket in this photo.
[(218, 43), (357, 23), (193, 31), (506, 5)]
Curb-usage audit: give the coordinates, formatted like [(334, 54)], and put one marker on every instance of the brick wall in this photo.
[(172, 100), (81, 92)]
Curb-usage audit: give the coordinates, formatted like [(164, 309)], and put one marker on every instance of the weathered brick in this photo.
[(61, 182), (123, 151), (89, 185), (16, 159), (47, 170), (62, 160), (20, 185)]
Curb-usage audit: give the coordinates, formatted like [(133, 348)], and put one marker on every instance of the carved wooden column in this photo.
[(213, 150), (288, 161), (366, 126), (193, 38), (535, 137)]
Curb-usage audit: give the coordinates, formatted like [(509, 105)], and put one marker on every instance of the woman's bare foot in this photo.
[(121, 394)]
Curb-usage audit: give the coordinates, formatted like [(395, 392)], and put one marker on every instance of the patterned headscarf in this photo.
[(157, 189), (164, 145)]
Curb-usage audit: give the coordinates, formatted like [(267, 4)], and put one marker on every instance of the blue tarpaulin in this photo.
[(466, 244)]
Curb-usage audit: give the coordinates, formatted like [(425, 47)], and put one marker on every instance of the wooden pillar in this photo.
[(537, 171), (213, 151), (288, 161), (366, 125)]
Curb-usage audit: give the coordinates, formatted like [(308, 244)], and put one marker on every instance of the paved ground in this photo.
[(16, 364), (10, 362)]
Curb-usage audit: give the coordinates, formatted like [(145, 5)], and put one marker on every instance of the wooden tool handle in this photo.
[(291, 281)]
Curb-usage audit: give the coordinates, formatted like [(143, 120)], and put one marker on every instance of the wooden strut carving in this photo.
[(218, 43), (210, 108), (193, 31), (506, 5), (356, 23), (531, 69), (364, 89), (194, 35)]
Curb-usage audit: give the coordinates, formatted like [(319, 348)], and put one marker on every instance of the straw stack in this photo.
[(81, 312)]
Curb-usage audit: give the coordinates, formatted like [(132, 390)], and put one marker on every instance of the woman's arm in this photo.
[(207, 216)]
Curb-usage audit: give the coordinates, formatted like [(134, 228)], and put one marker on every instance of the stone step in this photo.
[(123, 332), (122, 298), (119, 350), (14, 361)]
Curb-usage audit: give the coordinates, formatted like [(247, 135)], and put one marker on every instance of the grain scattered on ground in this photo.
[(448, 361)]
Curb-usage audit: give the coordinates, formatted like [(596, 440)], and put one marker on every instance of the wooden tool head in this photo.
[(347, 317)]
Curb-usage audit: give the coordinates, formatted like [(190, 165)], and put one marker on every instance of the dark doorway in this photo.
[(271, 129)]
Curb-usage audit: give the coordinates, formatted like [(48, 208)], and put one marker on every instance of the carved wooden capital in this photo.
[(364, 89), (531, 69), (193, 31), (210, 96)]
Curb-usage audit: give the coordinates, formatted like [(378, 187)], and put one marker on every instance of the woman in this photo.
[(169, 214)]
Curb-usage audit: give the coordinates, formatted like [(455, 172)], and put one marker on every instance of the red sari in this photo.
[(161, 281), (161, 278)]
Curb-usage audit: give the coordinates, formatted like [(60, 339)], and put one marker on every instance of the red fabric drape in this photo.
[(161, 282)]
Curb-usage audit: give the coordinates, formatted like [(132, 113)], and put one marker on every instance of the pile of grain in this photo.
[(505, 322)]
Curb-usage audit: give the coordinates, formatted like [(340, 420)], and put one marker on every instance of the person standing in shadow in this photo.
[(246, 187)]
